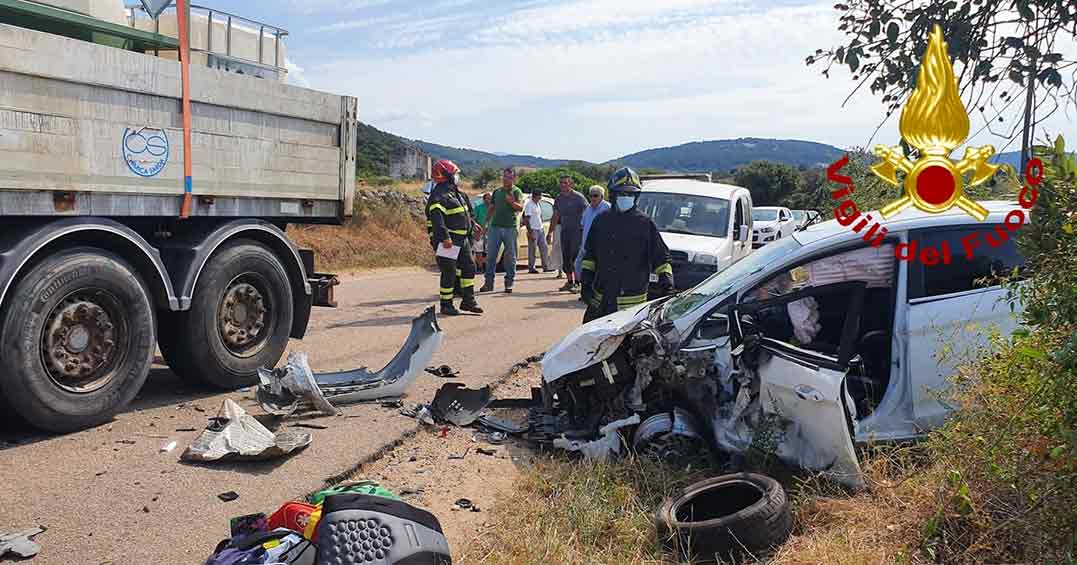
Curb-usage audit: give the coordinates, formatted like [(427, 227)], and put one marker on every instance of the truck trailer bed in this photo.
[(88, 129)]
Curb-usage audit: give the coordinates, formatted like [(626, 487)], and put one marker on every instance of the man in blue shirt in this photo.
[(597, 206)]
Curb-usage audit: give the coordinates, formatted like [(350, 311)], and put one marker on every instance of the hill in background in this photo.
[(727, 154)]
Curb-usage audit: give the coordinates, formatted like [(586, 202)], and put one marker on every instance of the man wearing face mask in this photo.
[(448, 213), (623, 253)]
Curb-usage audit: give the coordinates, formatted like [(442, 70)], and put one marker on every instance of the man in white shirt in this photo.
[(535, 233)]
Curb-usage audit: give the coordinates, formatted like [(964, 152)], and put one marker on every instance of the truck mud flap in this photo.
[(283, 391)]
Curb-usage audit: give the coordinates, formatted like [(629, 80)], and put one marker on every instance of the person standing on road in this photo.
[(624, 252), (535, 233), (479, 246), (568, 213), (507, 201), (596, 206), (448, 212)]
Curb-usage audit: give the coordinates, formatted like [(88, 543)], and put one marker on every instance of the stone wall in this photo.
[(416, 205)]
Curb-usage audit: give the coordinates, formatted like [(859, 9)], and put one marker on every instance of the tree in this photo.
[(591, 170), (547, 181), (768, 182), (1006, 50), (485, 177)]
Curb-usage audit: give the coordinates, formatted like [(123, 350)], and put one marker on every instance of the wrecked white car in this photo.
[(820, 340)]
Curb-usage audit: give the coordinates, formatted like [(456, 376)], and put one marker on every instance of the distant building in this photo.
[(409, 163)]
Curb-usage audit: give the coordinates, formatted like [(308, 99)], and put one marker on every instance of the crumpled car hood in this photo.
[(591, 343)]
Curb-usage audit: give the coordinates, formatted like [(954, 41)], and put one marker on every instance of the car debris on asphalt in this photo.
[(234, 434), (19, 544), (444, 372), (286, 390), (459, 405), (228, 496)]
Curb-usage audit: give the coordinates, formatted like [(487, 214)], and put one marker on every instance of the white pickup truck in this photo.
[(102, 258)]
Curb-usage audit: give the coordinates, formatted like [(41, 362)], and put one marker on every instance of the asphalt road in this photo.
[(110, 495)]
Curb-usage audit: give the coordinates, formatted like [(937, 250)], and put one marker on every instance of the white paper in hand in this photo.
[(448, 252)]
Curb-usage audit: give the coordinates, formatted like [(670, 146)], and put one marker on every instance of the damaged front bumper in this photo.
[(285, 390), (614, 372)]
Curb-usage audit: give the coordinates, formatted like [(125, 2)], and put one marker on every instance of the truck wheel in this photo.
[(240, 319), (77, 340)]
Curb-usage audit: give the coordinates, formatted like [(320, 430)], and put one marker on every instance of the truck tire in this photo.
[(240, 319), (725, 515), (77, 340)]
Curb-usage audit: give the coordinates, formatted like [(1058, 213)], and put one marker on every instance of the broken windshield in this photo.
[(721, 282)]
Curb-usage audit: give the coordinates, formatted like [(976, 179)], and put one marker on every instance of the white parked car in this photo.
[(832, 341), (771, 224), (804, 217), (706, 226)]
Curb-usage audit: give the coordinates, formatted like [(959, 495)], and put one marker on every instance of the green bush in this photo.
[(547, 181), (485, 177), (770, 183), (1010, 452)]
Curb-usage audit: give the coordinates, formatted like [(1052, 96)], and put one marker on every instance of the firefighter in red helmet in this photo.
[(449, 221)]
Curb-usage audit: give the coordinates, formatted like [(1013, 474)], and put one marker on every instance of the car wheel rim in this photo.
[(84, 340), (243, 313)]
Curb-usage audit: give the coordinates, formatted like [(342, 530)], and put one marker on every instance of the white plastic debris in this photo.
[(601, 449), (235, 434)]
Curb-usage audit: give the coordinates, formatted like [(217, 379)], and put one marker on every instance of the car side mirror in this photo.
[(742, 233)]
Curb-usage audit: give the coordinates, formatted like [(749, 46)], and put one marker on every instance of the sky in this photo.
[(593, 80)]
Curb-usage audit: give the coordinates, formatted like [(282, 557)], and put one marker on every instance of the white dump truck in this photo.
[(102, 258)]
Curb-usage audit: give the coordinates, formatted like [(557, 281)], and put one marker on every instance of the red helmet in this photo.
[(445, 171)]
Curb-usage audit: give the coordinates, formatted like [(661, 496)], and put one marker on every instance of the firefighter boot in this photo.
[(447, 308), (469, 304)]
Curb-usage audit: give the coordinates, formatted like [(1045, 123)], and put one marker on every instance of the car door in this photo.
[(785, 223), (741, 216), (805, 389), (951, 313)]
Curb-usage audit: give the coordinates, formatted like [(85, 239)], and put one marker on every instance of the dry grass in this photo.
[(374, 237), (882, 524), (580, 512)]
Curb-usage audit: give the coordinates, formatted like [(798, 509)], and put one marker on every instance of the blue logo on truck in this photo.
[(145, 150)]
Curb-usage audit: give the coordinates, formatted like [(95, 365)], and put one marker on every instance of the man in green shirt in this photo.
[(501, 220), (479, 247)]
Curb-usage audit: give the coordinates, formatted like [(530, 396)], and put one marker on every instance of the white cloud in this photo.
[(296, 74), (547, 20), (599, 79), (323, 7)]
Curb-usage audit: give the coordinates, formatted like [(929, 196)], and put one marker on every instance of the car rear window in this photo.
[(982, 271)]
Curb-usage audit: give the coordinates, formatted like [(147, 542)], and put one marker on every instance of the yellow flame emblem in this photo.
[(934, 120)]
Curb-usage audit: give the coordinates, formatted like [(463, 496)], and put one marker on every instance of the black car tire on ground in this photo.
[(240, 319), (77, 340), (725, 515)]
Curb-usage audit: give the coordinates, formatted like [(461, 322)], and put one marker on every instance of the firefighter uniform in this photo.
[(448, 213), (623, 251)]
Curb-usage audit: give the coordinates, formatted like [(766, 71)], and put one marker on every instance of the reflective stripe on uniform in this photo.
[(458, 232), (588, 264), (634, 300), (664, 269), (467, 283), (447, 293), (448, 211)]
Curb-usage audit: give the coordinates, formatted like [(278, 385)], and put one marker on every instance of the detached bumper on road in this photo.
[(283, 390)]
